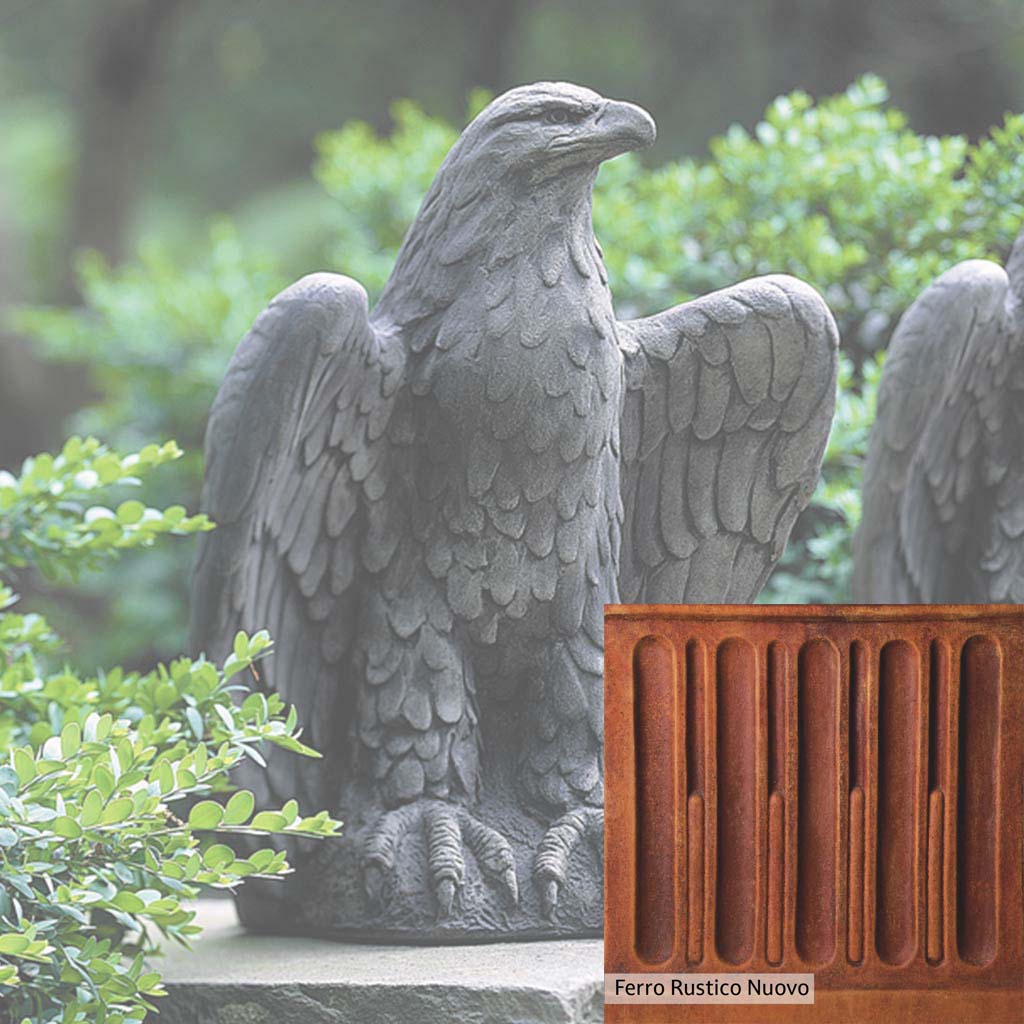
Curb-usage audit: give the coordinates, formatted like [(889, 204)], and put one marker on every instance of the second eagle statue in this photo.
[(429, 504)]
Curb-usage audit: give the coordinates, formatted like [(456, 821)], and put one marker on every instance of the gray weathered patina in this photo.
[(943, 517), (429, 504)]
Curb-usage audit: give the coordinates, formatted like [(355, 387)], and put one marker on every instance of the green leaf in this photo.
[(12, 944), (24, 765), (165, 777), (195, 721), (224, 714), (130, 512), (70, 739), (92, 808), (116, 811), (103, 780), (268, 821), (128, 902), (67, 827), (150, 983), (207, 814), (239, 808), (259, 642), (217, 856)]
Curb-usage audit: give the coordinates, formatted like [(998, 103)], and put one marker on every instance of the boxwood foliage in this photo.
[(114, 792)]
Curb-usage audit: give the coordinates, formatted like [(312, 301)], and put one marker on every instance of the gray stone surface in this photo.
[(429, 503), (234, 977), (943, 515)]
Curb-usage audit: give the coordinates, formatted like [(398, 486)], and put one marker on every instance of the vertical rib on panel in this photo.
[(938, 769), (737, 850), (979, 752), (778, 665), (654, 694), (696, 751), (858, 726), (817, 833), (898, 721)]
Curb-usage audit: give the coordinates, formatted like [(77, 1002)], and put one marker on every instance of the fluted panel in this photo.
[(813, 788)]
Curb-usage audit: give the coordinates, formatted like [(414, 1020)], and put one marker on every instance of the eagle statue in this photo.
[(943, 492), (428, 505)]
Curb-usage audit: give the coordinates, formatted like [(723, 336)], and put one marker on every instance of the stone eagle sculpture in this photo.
[(428, 505), (943, 518)]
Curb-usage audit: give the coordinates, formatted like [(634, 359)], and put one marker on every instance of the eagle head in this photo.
[(523, 169), (541, 131)]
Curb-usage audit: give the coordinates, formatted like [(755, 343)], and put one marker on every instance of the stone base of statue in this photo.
[(234, 976)]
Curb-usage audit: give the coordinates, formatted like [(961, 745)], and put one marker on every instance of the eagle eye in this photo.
[(560, 115)]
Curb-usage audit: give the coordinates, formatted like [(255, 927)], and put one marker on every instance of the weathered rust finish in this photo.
[(847, 800)]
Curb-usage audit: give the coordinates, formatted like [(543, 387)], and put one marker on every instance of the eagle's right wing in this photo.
[(929, 457), (729, 399), (297, 483)]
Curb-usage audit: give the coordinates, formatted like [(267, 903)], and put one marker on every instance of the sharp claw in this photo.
[(549, 898), (445, 893), (510, 884), (493, 853), (444, 855), (373, 882)]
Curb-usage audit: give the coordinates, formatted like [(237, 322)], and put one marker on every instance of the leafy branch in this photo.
[(114, 787)]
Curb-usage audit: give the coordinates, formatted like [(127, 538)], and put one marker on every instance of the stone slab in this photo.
[(234, 977)]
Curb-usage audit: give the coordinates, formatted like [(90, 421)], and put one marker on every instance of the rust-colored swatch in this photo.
[(834, 790)]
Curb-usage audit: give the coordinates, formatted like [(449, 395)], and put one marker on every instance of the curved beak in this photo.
[(621, 127)]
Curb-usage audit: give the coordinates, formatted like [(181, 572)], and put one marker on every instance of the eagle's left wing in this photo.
[(729, 400)]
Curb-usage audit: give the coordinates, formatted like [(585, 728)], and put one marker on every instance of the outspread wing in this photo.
[(729, 400), (295, 479), (936, 471)]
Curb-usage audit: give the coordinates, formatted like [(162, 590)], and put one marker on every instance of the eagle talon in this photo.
[(551, 865), (448, 831)]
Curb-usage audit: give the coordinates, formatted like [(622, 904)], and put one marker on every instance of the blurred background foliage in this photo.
[(156, 189)]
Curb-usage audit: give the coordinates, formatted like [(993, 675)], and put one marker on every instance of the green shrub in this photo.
[(94, 863)]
